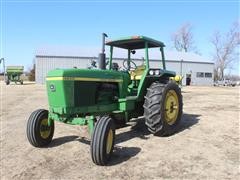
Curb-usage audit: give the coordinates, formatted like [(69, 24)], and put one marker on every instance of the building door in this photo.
[(188, 79)]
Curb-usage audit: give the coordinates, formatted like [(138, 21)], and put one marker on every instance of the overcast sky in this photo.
[(29, 25)]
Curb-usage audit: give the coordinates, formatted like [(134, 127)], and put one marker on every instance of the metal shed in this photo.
[(189, 65)]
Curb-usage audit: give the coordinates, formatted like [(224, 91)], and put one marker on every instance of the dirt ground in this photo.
[(206, 145)]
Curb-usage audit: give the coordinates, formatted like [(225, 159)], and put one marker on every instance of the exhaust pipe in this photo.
[(102, 55)]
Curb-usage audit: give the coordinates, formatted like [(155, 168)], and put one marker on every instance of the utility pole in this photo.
[(181, 62)]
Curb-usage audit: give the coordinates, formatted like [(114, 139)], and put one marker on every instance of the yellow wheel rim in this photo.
[(45, 130), (171, 107), (109, 141)]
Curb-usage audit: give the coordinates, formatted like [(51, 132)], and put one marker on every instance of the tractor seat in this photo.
[(137, 73)]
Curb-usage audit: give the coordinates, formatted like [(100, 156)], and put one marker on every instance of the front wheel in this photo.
[(39, 132), (163, 108), (102, 142)]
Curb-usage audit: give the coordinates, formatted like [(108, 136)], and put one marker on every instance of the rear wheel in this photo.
[(39, 132), (102, 142), (163, 108)]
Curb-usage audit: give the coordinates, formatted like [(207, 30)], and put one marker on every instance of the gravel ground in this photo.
[(206, 145)]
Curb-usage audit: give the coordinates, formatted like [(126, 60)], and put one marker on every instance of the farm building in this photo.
[(195, 69)]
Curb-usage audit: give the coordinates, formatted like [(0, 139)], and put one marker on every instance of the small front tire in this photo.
[(39, 133), (102, 142)]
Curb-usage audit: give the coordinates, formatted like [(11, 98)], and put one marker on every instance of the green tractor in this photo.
[(13, 74), (101, 98)]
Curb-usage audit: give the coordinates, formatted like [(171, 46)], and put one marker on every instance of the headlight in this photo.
[(154, 72), (151, 72), (157, 72)]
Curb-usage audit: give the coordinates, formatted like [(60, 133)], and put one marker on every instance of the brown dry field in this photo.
[(206, 145)]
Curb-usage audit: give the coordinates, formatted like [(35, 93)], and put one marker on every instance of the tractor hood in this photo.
[(83, 89), (95, 75)]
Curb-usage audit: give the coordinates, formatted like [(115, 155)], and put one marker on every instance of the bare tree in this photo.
[(31, 75), (183, 38), (225, 49)]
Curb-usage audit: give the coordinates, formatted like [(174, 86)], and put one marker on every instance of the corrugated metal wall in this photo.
[(47, 63)]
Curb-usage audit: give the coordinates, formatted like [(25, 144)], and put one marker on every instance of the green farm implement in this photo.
[(13, 74), (101, 98)]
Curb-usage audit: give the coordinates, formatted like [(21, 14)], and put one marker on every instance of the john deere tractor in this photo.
[(101, 98)]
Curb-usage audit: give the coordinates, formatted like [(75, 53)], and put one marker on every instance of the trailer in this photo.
[(13, 74)]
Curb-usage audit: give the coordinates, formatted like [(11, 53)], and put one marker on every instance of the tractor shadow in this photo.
[(138, 130), (188, 120), (28, 83), (121, 154), (62, 140)]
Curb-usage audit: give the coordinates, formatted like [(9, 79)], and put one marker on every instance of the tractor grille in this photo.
[(84, 93)]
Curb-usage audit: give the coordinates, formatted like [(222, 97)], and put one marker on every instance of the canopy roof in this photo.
[(135, 42)]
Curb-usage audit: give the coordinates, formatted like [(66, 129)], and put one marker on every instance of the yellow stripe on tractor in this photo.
[(82, 79)]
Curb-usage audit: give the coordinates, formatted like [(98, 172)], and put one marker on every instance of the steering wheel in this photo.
[(133, 66)]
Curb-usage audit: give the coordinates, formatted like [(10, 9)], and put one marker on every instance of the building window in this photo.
[(208, 75), (200, 74)]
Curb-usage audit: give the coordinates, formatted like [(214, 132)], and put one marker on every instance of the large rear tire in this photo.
[(39, 133), (163, 108), (102, 142)]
